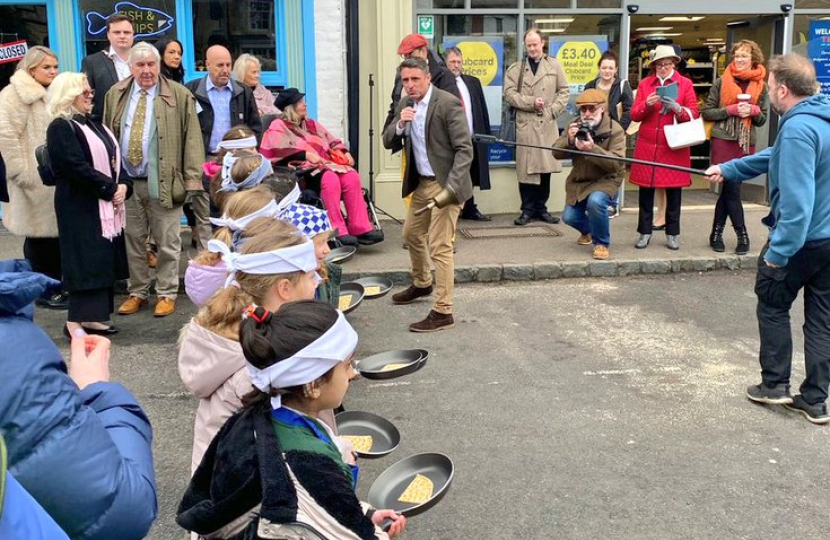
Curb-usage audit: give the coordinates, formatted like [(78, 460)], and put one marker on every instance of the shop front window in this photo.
[(152, 20), (440, 4), (577, 42), (242, 27), (21, 27), (811, 38)]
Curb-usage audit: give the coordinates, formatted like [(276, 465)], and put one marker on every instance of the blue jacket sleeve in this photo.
[(796, 198), (745, 168), (84, 456), (23, 517)]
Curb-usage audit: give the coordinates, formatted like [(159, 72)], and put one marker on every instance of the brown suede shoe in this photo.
[(584, 240), (164, 307), (132, 305), (434, 322), (152, 260), (410, 294)]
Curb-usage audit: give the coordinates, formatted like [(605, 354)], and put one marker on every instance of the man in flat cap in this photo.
[(416, 46), (593, 181)]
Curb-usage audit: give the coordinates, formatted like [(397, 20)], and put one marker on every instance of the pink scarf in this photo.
[(113, 218)]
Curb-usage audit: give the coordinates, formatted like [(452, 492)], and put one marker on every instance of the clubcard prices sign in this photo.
[(13, 51)]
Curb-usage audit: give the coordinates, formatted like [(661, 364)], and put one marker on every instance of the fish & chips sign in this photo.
[(147, 21)]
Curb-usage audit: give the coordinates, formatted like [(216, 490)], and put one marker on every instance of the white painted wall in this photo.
[(330, 41)]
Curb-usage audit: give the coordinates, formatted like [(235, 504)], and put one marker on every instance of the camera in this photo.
[(633, 8), (786, 8), (585, 131)]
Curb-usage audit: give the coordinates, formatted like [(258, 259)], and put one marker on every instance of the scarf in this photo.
[(112, 218), (729, 90)]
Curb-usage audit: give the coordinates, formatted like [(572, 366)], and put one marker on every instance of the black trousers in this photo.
[(44, 254), (729, 205), (646, 219), (777, 288), (92, 305), (535, 198)]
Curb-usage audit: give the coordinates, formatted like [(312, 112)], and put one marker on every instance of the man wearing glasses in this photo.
[(593, 181)]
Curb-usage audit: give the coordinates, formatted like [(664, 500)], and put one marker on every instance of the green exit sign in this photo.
[(426, 26)]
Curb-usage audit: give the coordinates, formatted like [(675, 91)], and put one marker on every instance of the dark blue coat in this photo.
[(85, 456)]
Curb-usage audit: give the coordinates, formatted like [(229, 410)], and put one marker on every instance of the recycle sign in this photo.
[(426, 26)]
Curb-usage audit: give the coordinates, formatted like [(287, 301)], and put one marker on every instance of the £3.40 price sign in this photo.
[(579, 60)]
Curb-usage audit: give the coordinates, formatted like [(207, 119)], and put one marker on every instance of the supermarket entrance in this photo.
[(705, 42)]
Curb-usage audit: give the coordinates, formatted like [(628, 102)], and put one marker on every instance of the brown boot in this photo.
[(434, 322), (164, 307), (410, 294), (132, 305)]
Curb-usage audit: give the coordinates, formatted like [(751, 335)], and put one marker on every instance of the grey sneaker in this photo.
[(673, 241), (761, 393), (816, 414)]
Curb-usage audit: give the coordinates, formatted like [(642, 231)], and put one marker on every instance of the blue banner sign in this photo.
[(818, 50)]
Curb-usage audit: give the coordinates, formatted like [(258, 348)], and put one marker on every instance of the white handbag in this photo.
[(685, 134)]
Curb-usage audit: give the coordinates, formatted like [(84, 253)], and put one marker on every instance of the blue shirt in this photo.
[(220, 100)]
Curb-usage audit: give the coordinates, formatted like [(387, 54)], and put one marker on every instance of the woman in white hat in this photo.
[(654, 112)]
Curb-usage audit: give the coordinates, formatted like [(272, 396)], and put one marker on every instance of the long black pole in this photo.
[(492, 139)]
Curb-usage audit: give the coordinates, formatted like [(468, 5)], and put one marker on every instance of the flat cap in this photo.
[(592, 96), (410, 43)]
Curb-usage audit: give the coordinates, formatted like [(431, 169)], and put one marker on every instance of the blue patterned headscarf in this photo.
[(309, 220)]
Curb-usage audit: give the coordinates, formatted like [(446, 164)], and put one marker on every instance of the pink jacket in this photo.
[(213, 369), (201, 281)]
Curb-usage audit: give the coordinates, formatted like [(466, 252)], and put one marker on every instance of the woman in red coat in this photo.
[(654, 112)]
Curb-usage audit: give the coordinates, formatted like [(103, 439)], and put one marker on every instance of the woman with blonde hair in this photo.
[(738, 104), (275, 265), (89, 203), (247, 70), (30, 211)]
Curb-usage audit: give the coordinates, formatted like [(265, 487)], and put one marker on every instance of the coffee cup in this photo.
[(744, 98)]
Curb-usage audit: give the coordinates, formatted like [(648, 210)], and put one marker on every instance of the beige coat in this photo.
[(549, 83), (23, 122)]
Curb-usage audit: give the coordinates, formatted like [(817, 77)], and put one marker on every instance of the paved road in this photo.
[(576, 409)]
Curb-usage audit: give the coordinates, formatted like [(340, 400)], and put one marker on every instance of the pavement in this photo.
[(525, 255)]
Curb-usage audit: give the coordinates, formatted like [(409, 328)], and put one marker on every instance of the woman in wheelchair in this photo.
[(304, 144)]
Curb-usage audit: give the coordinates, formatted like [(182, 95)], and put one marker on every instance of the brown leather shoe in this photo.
[(164, 307), (410, 294), (152, 260), (601, 253), (434, 322), (584, 240), (132, 305)]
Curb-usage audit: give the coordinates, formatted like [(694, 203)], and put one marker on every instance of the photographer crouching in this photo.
[(593, 181)]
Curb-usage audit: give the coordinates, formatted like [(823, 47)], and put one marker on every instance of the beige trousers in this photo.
[(429, 237), (201, 209), (145, 217)]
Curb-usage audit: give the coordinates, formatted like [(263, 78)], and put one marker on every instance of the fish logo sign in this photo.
[(147, 21)]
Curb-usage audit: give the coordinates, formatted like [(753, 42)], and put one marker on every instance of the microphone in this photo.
[(407, 129)]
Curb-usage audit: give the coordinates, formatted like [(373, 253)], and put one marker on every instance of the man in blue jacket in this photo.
[(81, 446), (797, 254)]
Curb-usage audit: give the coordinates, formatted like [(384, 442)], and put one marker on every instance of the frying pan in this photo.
[(356, 292), (385, 436), (383, 284), (341, 254), (392, 482), (372, 367)]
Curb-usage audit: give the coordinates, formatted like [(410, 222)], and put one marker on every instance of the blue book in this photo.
[(670, 91)]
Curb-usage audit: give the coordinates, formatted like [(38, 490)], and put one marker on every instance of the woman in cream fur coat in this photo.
[(30, 211)]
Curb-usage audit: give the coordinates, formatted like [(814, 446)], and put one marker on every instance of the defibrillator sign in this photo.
[(13, 51)]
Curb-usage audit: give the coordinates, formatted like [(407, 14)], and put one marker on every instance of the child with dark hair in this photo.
[(274, 465)]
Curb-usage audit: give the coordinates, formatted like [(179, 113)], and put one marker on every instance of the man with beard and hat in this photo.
[(593, 181)]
